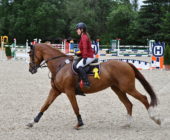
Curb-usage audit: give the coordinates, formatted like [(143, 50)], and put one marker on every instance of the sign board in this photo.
[(158, 49)]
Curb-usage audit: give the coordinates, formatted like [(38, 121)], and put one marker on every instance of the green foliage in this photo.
[(8, 50), (106, 19), (93, 12), (29, 19), (165, 28), (167, 55), (150, 19), (122, 15), (135, 5)]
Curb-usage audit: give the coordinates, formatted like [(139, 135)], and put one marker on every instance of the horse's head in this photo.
[(35, 59)]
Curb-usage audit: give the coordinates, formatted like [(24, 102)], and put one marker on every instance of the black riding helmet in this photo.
[(81, 25)]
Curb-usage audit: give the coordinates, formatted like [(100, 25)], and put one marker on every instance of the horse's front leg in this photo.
[(51, 97), (71, 96)]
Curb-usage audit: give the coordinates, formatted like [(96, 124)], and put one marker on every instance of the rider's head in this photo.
[(81, 28)]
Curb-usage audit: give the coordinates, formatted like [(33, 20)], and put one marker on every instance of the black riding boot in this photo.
[(84, 77)]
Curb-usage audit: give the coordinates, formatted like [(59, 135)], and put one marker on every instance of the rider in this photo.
[(87, 53)]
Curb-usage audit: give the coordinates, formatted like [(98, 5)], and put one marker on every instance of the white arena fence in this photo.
[(20, 52)]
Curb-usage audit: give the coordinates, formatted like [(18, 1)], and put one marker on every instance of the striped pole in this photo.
[(2, 48)]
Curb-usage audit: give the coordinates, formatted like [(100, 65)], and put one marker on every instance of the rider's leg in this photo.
[(84, 77), (82, 73), (88, 61)]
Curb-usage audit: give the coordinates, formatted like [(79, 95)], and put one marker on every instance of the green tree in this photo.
[(165, 28), (106, 19), (167, 55), (135, 5), (150, 20), (28, 19), (119, 22), (93, 12), (5, 17)]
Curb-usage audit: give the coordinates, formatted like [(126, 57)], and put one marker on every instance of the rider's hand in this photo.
[(78, 53), (84, 61)]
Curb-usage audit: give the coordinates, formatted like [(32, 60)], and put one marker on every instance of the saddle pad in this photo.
[(88, 69)]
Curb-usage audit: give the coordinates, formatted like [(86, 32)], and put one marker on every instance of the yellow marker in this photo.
[(78, 52), (96, 74), (5, 39)]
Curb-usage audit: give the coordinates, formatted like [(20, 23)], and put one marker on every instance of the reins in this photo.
[(46, 61), (49, 59)]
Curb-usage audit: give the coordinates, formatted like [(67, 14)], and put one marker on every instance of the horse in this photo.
[(119, 76)]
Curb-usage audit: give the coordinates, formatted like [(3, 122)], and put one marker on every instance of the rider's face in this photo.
[(78, 31)]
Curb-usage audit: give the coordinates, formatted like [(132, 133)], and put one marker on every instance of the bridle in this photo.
[(35, 66)]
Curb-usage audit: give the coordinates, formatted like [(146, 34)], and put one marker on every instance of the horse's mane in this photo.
[(50, 48)]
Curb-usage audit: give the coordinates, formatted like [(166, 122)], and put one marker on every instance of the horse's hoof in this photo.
[(126, 126), (77, 127), (29, 125), (158, 122)]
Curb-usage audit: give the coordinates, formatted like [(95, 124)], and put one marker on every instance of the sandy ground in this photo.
[(22, 95)]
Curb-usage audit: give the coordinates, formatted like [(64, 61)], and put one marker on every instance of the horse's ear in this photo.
[(31, 46)]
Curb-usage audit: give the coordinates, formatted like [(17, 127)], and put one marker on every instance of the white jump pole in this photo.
[(2, 50), (98, 45), (118, 47), (39, 40), (27, 47), (26, 51), (14, 47), (1, 47), (63, 46)]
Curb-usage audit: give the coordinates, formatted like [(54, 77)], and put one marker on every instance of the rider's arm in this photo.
[(84, 45)]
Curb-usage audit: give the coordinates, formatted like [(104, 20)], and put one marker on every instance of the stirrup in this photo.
[(78, 91), (86, 84)]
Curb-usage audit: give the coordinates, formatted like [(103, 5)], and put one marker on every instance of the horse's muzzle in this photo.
[(32, 71), (32, 68)]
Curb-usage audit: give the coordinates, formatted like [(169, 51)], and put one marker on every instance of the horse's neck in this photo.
[(54, 64), (51, 52)]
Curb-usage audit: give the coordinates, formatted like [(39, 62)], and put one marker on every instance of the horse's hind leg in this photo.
[(51, 97), (124, 99), (142, 98)]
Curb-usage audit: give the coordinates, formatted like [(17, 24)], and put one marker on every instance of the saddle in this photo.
[(89, 69)]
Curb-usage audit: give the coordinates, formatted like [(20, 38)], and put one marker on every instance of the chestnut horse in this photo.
[(120, 76)]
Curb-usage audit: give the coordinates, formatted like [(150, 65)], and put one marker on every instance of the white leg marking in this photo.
[(154, 116), (151, 112), (129, 121)]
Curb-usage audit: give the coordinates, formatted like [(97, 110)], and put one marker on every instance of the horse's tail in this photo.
[(146, 85)]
